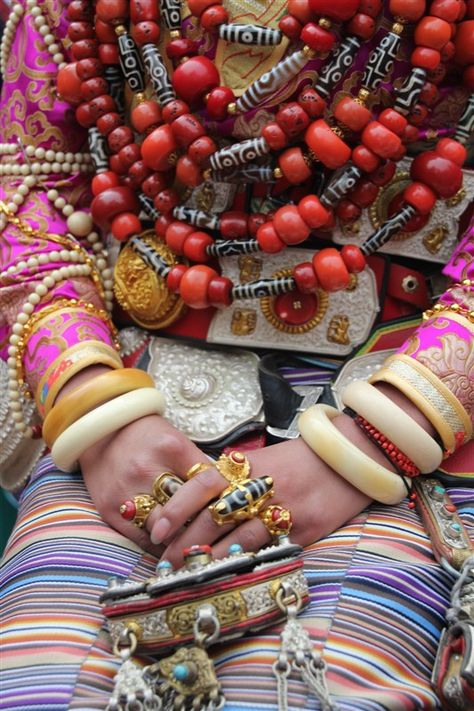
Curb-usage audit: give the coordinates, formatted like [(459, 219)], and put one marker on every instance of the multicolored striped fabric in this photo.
[(377, 607)]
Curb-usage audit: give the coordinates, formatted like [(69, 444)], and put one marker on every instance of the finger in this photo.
[(202, 531), (186, 503), (251, 535)]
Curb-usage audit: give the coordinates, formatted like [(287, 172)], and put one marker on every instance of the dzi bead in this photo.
[(131, 63), (171, 11), (158, 74), (239, 153), (250, 34)]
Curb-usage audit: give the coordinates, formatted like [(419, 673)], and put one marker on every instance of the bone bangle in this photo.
[(102, 421), (394, 423), (431, 396), (89, 395), (346, 459)]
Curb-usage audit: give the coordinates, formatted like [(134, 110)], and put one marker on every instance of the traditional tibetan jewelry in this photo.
[(450, 310), (165, 485), (242, 501), (431, 396), (89, 395), (277, 520), (102, 421), (346, 459), (197, 469), (394, 423), (234, 467), (138, 509)]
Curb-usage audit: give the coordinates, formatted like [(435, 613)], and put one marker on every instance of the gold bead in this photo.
[(175, 34), (232, 108), (363, 95), (120, 30), (183, 59), (467, 282), (140, 97), (310, 53), (325, 23), (455, 307), (207, 174), (277, 173), (398, 27)]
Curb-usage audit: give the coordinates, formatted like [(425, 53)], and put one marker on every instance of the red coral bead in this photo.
[(301, 10), (274, 136), (292, 119), (233, 224), (154, 184), (347, 211), (465, 43), (440, 174), (313, 212), (174, 276), (432, 32), (200, 149), (195, 246), (380, 140), (410, 134), (68, 84), (268, 239), (362, 26), (217, 102), (80, 31), (305, 278), (174, 109), (188, 172), (429, 93), (446, 9), (316, 37), (195, 78), (214, 16), (326, 145), (162, 224), (383, 174), (289, 225), (393, 120), (219, 291), (418, 115), (103, 181), (365, 159), (425, 58), (129, 155), (146, 32), (409, 10), (351, 113), (182, 47), (85, 49), (449, 148), (197, 7), (104, 32), (364, 193), (176, 234), (128, 510), (293, 165), (125, 226), (109, 54), (312, 103), (421, 197), (158, 148), (340, 11), (93, 87), (137, 173), (186, 129), (370, 7), (330, 270), (166, 200), (115, 164), (112, 11), (141, 10), (78, 10), (255, 221), (146, 116), (119, 137), (194, 284), (108, 122), (290, 27), (353, 258), (88, 68), (111, 202), (84, 116)]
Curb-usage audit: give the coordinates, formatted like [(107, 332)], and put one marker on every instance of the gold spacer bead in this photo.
[(206, 174), (120, 30), (309, 52), (140, 97), (277, 173), (325, 23), (362, 96), (455, 307), (338, 131), (398, 28), (183, 59), (467, 282), (175, 34), (232, 108)]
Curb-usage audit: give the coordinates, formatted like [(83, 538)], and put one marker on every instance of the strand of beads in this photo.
[(42, 25), (9, 31)]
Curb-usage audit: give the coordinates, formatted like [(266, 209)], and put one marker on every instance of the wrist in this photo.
[(89, 373)]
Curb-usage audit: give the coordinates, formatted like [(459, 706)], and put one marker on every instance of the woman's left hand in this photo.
[(319, 501)]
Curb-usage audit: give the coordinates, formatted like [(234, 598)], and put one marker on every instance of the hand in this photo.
[(319, 500)]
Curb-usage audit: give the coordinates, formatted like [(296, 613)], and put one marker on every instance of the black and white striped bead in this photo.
[(465, 127), (148, 206), (171, 13), (263, 287), (250, 34), (342, 59), (244, 174), (239, 153), (158, 74), (271, 81), (381, 61), (98, 150), (408, 94), (388, 230), (233, 248), (340, 186), (131, 63), (149, 256), (114, 78), (198, 218)]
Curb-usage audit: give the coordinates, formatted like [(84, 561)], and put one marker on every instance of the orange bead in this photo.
[(432, 32), (326, 145), (449, 148), (293, 165), (158, 147), (352, 114), (365, 159), (393, 120), (188, 172), (446, 9), (353, 258), (176, 235), (425, 58), (194, 284), (268, 239), (421, 197), (195, 246), (197, 7), (330, 270), (410, 10), (290, 226), (214, 16), (145, 116), (69, 84), (380, 140), (125, 226), (313, 212), (465, 43), (301, 10)]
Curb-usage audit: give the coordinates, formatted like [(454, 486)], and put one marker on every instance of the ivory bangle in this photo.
[(86, 397), (394, 423), (102, 421), (346, 459)]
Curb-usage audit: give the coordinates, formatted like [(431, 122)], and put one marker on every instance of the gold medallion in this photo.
[(143, 293)]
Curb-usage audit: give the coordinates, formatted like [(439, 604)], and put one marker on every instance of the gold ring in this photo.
[(235, 467), (277, 520), (164, 486), (242, 501), (196, 469), (138, 509)]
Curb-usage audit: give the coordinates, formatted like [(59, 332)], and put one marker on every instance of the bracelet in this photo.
[(70, 362), (346, 459), (394, 423), (102, 421), (89, 395), (431, 396)]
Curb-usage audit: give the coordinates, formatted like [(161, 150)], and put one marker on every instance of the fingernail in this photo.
[(160, 531)]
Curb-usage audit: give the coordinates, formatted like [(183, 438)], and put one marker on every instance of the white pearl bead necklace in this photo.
[(9, 32), (41, 23)]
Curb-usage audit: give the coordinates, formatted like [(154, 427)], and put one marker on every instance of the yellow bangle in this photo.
[(102, 421), (89, 395), (346, 459)]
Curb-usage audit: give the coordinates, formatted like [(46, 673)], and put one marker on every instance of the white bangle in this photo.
[(346, 459), (401, 429), (102, 421)]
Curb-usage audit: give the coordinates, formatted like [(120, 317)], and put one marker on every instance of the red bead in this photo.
[(420, 196), (182, 47), (125, 226), (465, 43), (119, 137), (364, 193), (292, 119), (440, 174), (429, 94), (347, 211), (414, 224), (195, 246), (166, 200), (293, 165), (448, 52), (112, 11), (352, 113), (146, 32), (194, 286), (93, 87), (316, 37), (197, 7), (162, 224), (219, 291), (362, 26), (393, 120), (109, 54), (102, 105), (326, 145), (370, 7), (383, 174), (111, 202), (176, 235), (186, 129), (330, 270), (85, 49), (301, 10), (365, 159), (104, 32), (268, 239), (233, 224), (154, 184), (103, 181), (446, 9), (195, 78), (254, 222), (78, 10), (80, 31), (158, 147), (274, 136), (188, 172), (305, 278), (311, 102), (146, 116), (89, 68), (141, 10), (174, 276), (418, 114), (437, 74), (128, 510), (353, 258), (200, 149), (84, 116), (409, 10), (218, 101), (213, 17), (410, 134), (68, 84), (449, 148), (174, 109), (115, 164), (432, 32), (289, 225), (138, 172), (108, 122), (380, 140), (130, 154), (340, 11), (313, 212), (425, 58), (295, 308), (290, 27)]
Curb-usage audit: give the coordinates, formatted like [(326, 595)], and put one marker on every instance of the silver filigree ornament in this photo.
[(133, 690)]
